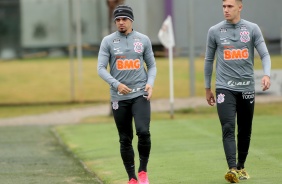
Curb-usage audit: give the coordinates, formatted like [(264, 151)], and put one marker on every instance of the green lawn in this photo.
[(43, 85), (32, 155), (185, 150), (48, 80), (7, 111)]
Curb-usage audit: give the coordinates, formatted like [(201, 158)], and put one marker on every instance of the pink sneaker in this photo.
[(143, 178), (132, 181)]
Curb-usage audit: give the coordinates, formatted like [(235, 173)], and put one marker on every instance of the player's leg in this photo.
[(245, 111), (226, 109), (141, 110), (123, 119)]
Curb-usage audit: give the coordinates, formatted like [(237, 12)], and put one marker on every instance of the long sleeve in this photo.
[(150, 63), (209, 58), (103, 61), (262, 51)]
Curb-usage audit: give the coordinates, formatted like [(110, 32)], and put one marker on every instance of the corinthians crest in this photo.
[(245, 37), (220, 98), (115, 105), (138, 47)]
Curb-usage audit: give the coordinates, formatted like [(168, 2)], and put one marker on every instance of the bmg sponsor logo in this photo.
[(235, 54), (128, 64)]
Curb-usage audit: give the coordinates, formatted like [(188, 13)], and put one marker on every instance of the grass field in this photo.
[(45, 83), (48, 80), (185, 150), (32, 155)]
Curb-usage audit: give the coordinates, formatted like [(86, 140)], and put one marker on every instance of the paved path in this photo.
[(76, 115)]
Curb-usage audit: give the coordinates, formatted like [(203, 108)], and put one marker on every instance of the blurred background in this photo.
[(47, 27), (48, 64), (59, 31)]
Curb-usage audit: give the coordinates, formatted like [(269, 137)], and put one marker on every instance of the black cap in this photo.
[(123, 11)]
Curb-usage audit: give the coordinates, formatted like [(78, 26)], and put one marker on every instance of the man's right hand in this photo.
[(210, 97), (123, 89)]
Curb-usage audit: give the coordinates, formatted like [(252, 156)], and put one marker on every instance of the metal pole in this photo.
[(79, 44), (281, 42), (170, 50), (191, 48), (71, 53)]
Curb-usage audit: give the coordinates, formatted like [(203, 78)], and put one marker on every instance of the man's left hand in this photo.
[(149, 90), (265, 83)]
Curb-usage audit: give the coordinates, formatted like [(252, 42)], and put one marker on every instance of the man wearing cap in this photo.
[(127, 52)]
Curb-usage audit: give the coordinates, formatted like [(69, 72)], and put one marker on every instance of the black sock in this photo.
[(130, 169), (240, 166), (143, 164)]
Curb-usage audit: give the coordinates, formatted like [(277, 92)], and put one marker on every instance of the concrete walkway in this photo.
[(76, 115)]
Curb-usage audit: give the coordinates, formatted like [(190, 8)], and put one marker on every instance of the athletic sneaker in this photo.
[(132, 181), (243, 175), (143, 177), (232, 176)]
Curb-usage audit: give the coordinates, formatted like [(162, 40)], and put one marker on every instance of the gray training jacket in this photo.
[(126, 55), (234, 45)]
